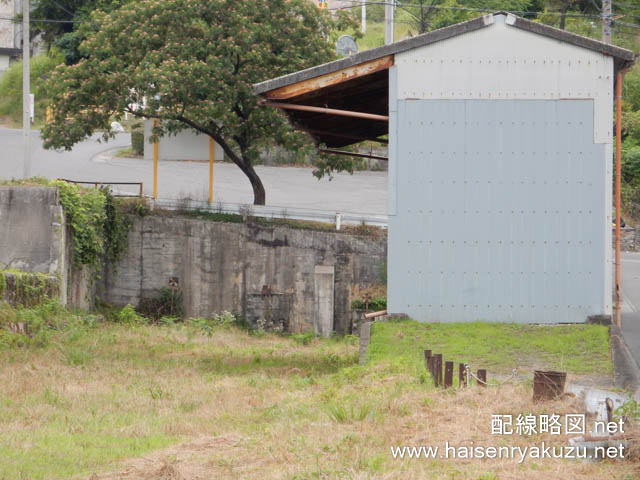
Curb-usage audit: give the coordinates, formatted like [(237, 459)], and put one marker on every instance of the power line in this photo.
[(40, 20), (464, 9)]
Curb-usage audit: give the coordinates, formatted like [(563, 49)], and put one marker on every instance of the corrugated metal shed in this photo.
[(500, 168)]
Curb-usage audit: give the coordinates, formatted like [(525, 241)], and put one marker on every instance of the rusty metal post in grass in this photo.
[(437, 374), (448, 374), (462, 375), (431, 365), (482, 376), (427, 357)]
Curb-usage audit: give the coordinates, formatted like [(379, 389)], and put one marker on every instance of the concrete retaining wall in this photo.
[(34, 239), (278, 277), (31, 231)]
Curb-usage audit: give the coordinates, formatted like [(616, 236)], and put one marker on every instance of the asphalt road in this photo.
[(362, 192), (630, 281)]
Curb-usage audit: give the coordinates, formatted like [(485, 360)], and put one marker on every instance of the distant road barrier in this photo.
[(267, 211), (115, 193)]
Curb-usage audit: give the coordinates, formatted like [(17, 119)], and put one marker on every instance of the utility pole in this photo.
[(26, 90), (606, 21), (363, 27), (389, 12)]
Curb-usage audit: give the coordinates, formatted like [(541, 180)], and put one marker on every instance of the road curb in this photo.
[(625, 370)]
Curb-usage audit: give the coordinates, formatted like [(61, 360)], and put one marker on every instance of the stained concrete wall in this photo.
[(34, 238), (31, 231), (267, 273)]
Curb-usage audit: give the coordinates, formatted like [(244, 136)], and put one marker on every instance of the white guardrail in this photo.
[(266, 211)]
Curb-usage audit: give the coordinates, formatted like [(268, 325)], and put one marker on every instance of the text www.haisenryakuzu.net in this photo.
[(539, 451)]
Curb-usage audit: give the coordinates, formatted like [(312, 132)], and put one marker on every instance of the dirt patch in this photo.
[(186, 461)]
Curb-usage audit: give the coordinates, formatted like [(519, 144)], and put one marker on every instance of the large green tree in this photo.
[(189, 64), (63, 20)]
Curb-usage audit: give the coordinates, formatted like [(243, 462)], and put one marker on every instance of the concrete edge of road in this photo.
[(626, 372)]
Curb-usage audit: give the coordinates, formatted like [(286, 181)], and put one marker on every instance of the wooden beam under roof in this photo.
[(329, 79)]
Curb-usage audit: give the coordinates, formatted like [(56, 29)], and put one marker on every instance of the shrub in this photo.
[(303, 338), (11, 86), (167, 304), (376, 304), (137, 141), (128, 315)]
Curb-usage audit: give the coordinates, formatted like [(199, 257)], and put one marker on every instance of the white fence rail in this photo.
[(266, 211)]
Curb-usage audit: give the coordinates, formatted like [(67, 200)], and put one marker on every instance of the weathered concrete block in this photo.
[(31, 231), (226, 266)]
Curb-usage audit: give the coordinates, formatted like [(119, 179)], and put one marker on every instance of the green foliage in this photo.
[(42, 323), (358, 412), (195, 63), (62, 33), (382, 273), (134, 206), (167, 303), (629, 410), (500, 347), (137, 142), (376, 304), (99, 230), (27, 289), (11, 87), (630, 165), (129, 315), (115, 228), (303, 338)]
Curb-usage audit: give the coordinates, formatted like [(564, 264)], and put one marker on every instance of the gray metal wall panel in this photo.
[(500, 208)]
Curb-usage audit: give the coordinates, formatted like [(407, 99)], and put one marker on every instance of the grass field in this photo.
[(499, 347), (207, 399)]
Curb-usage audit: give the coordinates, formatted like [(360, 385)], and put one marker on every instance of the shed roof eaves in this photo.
[(375, 53), (624, 58)]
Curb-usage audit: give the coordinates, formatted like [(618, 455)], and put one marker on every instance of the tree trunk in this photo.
[(259, 195), (563, 19)]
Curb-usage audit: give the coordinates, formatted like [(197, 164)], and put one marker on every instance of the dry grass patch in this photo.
[(150, 402)]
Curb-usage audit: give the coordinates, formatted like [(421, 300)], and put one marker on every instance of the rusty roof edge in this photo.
[(572, 38), (373, 54), (627, 56)]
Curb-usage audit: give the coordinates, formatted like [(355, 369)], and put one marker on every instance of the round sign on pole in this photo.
[(346, 46)]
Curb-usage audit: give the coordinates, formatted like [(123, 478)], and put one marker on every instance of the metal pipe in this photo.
[(352, 154), (328, 111), (617, 188), (155, 164), (312, 131), (211, 159), (375, 314), (26, 90)]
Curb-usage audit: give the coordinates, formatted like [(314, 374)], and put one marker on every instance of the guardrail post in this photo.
[(437, 374), (448, 374), (482, 375), (462, 375)]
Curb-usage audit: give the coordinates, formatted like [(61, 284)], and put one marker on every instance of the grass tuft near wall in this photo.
[(27, 289), (499, 347)]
